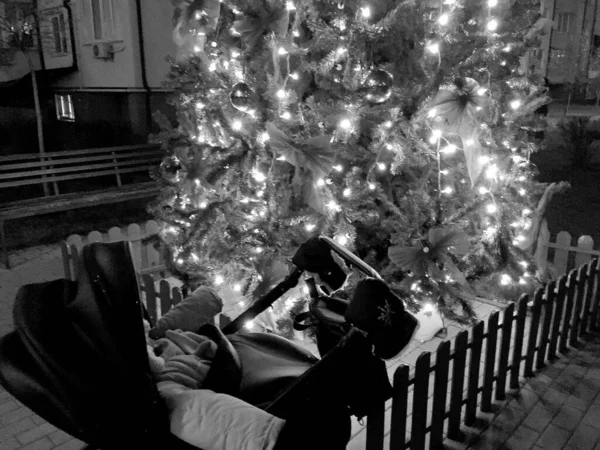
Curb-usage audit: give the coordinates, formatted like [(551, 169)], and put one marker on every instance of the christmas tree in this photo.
[(402, 129)]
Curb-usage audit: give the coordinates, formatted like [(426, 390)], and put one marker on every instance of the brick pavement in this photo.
[(22, 429), (557, 409)]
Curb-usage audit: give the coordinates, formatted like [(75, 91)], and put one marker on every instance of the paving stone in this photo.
[(10, 444), (583, 438), (8, 406), (592, 417), (568, 418), (522, 438), (554, 399), (525, 399), (491, 439), (36, 433), (59, 437), (579, 403), (509, 419), (73, 444), (16, 428), (41, 444), (539, 417), (553, 438), (15, 416)]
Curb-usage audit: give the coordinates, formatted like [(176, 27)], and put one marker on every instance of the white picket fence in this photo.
[(147, 259)]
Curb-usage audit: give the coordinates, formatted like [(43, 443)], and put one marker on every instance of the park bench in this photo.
[(45, 176)]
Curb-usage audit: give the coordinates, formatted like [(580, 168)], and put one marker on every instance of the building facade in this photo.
[(100, 71), (569, 51)]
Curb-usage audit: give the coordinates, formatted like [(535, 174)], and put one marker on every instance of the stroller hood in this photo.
[(78, 354)]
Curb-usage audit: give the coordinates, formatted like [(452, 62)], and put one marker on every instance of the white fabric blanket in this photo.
[(213, 421)]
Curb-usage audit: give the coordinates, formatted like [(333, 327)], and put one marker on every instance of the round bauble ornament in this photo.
[(378, 86), (170, 169), (242, 97)]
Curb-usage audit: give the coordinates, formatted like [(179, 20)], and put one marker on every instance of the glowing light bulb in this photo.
[(320, 182), (432, 113), (197, 49), (481, 91), (235, 53), (290, 6), (259, 176), (492, 25), (444, 172), (237, 125), (522, 192), (505, 279), (249, 325), (522, 280), (347, 192), (237, 287), (295, 33), (213, 66), (484, 159), (492, 172), (343, 240), (305, 290), (447, 190), (434, 48), (341, 50), (525, 264), (491, 208), (492, 3), (437, 133), (381, 166), (450, 148), (258, 250), (333, 206), (444, 19), (310, 227), (286, 115), (365, 12), (526, 211), (371, 186), (282, 51), (469, 142), (294, 76), (483, 190), (428, 308), (515, 104), (219, 280), (338, 168), (388, 124), (522, 178), (202, 205), (507, 49), (280, 93), (180, 261), (345, 124)]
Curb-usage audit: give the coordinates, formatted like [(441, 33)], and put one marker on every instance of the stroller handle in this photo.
[(291, 281)]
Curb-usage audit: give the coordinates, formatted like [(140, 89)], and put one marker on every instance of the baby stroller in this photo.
[(78, 355)]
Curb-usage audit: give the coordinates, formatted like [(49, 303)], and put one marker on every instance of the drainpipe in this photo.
[(138, 6)]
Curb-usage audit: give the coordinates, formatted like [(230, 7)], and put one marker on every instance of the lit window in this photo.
[(64, 107), (59, 34), (565, 22)]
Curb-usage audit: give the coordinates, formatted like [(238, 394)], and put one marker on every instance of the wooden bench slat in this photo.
[(63, 162), (88, 151), (143, 162)]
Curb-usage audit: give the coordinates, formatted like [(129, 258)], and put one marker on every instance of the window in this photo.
[(565, 22), (64, 107), (103, 20), (558, 59), (59, 33)]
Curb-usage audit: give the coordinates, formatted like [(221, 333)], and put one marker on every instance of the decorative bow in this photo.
[(461, 107), (440, 242), (314, 154), (254, 28)]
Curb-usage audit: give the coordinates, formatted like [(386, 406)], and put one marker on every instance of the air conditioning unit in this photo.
[(104, 51)]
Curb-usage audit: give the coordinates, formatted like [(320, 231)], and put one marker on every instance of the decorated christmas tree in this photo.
[(402, 129)]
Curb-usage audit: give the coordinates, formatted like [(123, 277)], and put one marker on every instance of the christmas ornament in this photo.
[(257, 25), (170, 169), (440, 242), (461, 107), (314, 154), (378, 86), (242, 97)]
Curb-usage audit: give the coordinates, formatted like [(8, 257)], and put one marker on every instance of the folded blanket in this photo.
[(213, 421)]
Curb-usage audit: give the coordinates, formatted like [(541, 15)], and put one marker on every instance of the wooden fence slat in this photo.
[(165, 297), (561, 255), (153, 255), (490, 362), (150, 294), (420, 396), (587, 305), (75, 261), (584, 243), (474, 366), (115, 235), (134, 235), (458, 382), (559, 302), (176, 295), (518, 348), (533, 332), (548, 308), (440, 386), (399, 408), (569, 299), (94, 236), (541, 251), (507, 323), (596, 296), (578, 305), (75, 240), (66, 260)]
